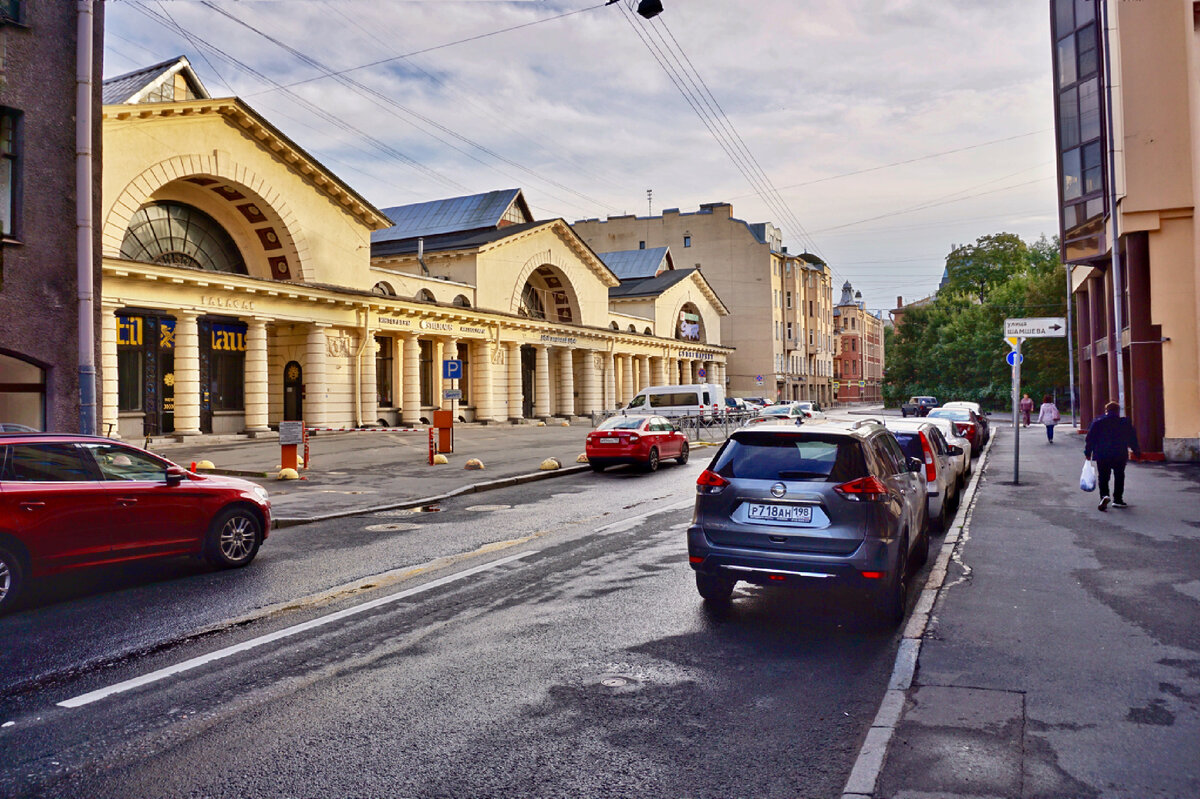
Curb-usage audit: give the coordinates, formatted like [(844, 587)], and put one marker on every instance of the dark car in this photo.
[(826, 504), (642, 440), (72, 502), (918, 406)]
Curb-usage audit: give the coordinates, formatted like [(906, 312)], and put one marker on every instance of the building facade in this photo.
[(859, 362), (245, 284), (39, 211), (1135, 272), (768, 292)]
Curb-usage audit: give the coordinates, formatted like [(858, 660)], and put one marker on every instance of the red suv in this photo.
[(70, 501)]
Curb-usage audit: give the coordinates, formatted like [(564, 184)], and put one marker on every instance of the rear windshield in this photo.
[(770, 456), (911, 444), (958, 414), (622, 423)]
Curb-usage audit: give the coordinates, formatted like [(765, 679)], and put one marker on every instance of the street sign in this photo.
[(1042, 327), (701, 372), (1012, 341), (862, 383), (452, 370), (836, 384), (758, 381), (1014, 358), (291, 433), (452, 393)]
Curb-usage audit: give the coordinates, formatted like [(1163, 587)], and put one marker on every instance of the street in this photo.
[(544, 640)]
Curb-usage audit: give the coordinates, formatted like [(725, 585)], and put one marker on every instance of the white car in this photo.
[(924, 441), (811, 409), (962, 463)]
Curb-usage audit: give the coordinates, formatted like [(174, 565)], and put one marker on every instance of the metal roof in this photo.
[(451, 215), (650, 286), (123, 88), (637, 264)]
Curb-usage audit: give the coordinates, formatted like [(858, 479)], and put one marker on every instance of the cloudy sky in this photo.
[(876, 133)]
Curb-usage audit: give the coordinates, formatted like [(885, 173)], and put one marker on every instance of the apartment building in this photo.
[(859, 360)]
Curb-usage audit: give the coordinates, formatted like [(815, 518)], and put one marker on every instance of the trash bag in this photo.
[(1087, 478)]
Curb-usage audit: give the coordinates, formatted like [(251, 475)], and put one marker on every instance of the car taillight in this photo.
[(864, 489), (965, 428), (930, 469), (634, 438), (710, 482)]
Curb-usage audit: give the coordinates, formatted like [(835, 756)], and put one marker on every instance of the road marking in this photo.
[(196, 662), (632, 521)]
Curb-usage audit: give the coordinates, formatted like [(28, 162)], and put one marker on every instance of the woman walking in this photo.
[(1048, 416)]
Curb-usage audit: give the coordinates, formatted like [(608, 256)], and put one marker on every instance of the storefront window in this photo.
[(131, 363), (227, 378)]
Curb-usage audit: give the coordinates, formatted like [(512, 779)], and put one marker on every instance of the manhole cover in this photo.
[(614, 682), (617, 683), (390, 527)]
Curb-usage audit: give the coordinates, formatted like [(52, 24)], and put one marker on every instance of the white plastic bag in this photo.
[(1087, 478)]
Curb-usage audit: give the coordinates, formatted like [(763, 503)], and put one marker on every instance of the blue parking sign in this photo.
[(452, 370)]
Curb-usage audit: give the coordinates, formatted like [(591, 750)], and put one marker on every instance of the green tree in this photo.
[(976, 269)]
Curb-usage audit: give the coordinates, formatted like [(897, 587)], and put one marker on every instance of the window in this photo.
[(1077, 108), (10, 11), (810, 307), (46, 463), (789, 300), (22, 392), (641, 245), (789, 330), (384, 289), (687, 241), (131, 362), (121, 463), (179, 235), (9, 166), (383, 372), (227, 375)]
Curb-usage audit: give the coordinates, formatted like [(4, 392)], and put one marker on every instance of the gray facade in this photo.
[(39, 329)]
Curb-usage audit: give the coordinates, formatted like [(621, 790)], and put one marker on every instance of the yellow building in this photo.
[(245, 284)]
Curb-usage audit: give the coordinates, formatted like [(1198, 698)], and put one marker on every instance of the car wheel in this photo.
[(652, 460), (893, 598), (717, 590), (920, 553), (597, 466), (12, 578), (234, 538), (683, 455), (937, 524)]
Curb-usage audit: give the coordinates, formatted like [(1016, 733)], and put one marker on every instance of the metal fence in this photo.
[(697, 426)]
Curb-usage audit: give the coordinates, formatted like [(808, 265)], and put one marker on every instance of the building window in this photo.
[(10, 11), (641, 245), (131, 363), (179, 235), (22, 392), (810, 307), (427, 373), (227, 378), (9, 169), (384, 289), (687, 241), (789, 300), (383, 372), (1077, 107), (789, 330)]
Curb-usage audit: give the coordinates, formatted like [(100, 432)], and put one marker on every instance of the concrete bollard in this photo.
[(583, 458), (550, 464), (440, 459), (288, 474), (565, 424), (474, 464), (205, 465)]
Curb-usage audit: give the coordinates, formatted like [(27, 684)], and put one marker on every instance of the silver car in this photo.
[(836, 503), (920, 439)]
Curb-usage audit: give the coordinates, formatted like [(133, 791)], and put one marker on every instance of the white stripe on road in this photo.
[(197, 662), (633, 521)]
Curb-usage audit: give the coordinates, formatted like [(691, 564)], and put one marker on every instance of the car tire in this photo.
[(597, 466), (233, 538), (893, 597), (717, 590), (652, 460), (12, 578), (938, 524), (920, 553), (683, 454)]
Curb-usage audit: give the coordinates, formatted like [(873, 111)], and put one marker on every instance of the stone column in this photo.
[(109, 389), (645, 370), (256, 381), (591, 394), (566, 382), (610, 382), (187, 374), (315, 349), (627, 391), (368, 384), (485, 411), (658, 369), (516, 398), (410, 387), (541, 382)]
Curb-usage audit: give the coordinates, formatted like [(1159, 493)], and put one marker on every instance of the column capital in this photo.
[(185, 314)]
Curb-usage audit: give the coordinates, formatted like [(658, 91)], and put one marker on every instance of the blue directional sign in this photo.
[(452, 370), (1014, 359)]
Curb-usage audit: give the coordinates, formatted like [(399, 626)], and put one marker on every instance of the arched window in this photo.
[(690, 325), (531, 304), (22, 395), (614, 325), (632, 329), (648, 332), (547, 294), (179, 235), (461, 301), (424, 295), (384, 289)]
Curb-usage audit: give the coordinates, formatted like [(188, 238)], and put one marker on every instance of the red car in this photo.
[(70, 501), (967, 423), (644, 440)]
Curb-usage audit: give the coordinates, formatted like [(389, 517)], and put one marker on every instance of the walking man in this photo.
[(1109, 439)]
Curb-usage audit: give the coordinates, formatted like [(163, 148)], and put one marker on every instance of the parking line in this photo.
[(197, 662)]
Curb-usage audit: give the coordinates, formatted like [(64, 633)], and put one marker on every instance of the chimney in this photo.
[(899, 302)]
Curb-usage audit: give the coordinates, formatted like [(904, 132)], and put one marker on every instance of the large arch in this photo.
[(555, 296), (252, 211), (679, 332)]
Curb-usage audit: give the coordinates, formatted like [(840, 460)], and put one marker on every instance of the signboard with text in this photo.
[(1041, 327)]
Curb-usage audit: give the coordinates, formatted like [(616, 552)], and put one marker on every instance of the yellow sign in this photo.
[(129, 331), (1012, 341)]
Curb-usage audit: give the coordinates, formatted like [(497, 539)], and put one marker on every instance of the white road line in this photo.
[(196, 662), (632, 521)]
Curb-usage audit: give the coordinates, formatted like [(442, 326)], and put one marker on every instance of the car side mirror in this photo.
[(954, 450), (915, 464), (175, 475)]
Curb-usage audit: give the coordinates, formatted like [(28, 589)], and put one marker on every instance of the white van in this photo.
[(706, 399)]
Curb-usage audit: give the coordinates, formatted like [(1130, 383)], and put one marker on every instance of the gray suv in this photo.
[(826, 503)]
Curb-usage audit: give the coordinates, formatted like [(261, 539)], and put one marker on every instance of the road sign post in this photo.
[(1016, 409)]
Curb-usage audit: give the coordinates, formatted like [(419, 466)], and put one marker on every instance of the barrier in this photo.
[(362, 429)]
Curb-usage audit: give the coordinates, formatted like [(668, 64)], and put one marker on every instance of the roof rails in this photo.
[(861, 422)]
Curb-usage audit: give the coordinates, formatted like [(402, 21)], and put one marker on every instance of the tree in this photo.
[(976, 269)]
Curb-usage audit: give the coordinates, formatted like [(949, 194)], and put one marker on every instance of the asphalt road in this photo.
[(544, 641)]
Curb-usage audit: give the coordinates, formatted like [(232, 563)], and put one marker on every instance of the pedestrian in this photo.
[(1109, 439), (1049, 416), (1026, 409)]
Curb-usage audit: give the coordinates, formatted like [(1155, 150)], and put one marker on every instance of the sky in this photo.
[(878, 134)]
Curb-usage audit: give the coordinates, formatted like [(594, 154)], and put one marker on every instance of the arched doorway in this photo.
[(293, 392)]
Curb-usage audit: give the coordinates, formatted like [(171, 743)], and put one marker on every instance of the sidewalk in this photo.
[(1062, 658)]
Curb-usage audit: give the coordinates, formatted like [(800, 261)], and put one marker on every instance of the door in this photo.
[(293, 392), (528, 367)]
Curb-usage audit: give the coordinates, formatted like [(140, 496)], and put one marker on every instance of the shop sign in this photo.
[(166, 334), (696, 356), (228, 338), (234, 303), (129, 331), (550, 338), (395, 321), (689, 326)]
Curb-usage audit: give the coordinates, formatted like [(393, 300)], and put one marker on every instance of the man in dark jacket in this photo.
[(1109, 440)]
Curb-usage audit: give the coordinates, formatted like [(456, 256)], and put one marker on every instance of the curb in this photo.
[(473, 488), (868, 765)]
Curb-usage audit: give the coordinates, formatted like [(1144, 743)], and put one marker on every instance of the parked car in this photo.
[(736, 405), (921, 439), (761, 402), (978, 409), (789, 410), (962, 463), (835, 503), (13, 427), (967, 422), (71, 502), (699, 399), (811, 409), (642, 440), (918, 406)]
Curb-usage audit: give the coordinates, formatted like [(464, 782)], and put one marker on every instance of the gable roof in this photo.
[(132, 87), (636, 264), (452, 215), (654, 286)]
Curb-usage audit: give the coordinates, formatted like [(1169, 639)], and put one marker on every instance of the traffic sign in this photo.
[(452, 393), (1014, 358), (758, 381), (1041, 327), (452, 370), (862, 383), (1012, 341), (836, 384), (701, 372)]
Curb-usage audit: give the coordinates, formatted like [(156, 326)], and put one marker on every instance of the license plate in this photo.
[(609, 440), (780, 513)]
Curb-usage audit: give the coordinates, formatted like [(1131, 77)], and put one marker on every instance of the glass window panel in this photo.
[(47, 463), (1068, 118), (1085, 11), (1066, 61), (1095, 208), (1085, 44), (1072, 187), (1064, 16), (130, 369), (1089, 110), (228, 381), (121, 463), (383, 373), (1093, 176)]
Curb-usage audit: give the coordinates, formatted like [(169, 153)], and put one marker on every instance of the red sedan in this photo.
[(71, 502), (967, 423), (644, 440)]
